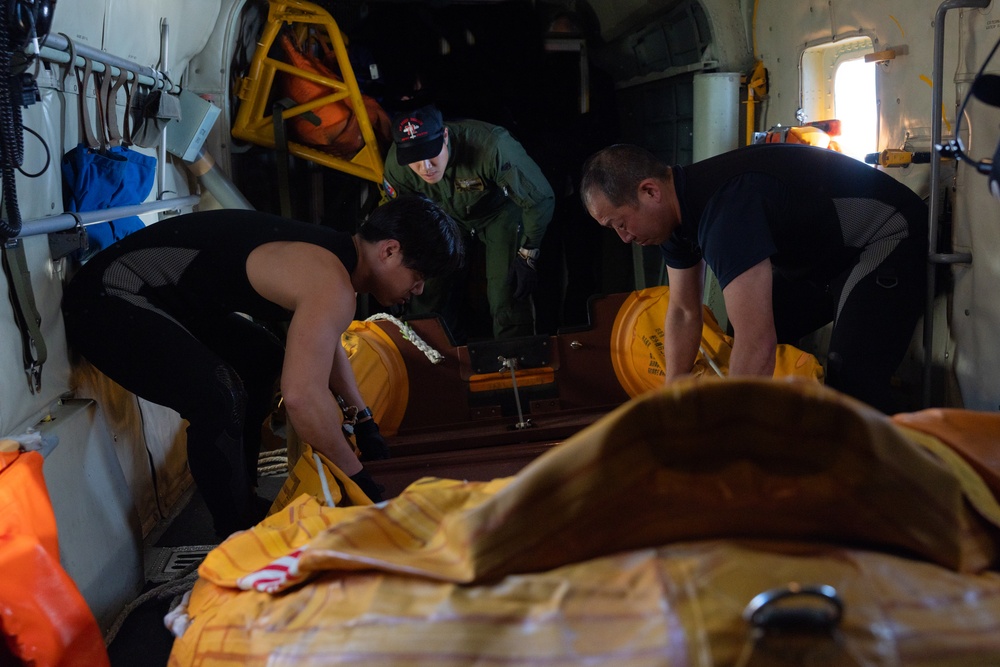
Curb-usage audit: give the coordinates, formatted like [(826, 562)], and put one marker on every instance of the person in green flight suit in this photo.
[(482, 177)]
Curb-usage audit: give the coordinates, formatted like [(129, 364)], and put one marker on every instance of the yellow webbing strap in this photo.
[(254, 122)]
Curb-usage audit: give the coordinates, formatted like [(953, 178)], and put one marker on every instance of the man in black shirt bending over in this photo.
[(797, 236), (163, 313)]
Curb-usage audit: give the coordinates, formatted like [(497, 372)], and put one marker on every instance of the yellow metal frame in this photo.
[(254, 120)]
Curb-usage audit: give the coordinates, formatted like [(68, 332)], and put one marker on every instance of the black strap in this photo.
[(281, 156), (22, 299)]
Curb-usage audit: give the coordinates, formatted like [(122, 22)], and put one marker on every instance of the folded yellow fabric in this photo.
[(745, 458), (638, 541), (316, 495), (314, 475), (974, 435), (676, 605)]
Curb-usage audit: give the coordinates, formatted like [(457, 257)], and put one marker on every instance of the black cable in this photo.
[(11, 139), (955, 146), (18, 28), (48, 156)]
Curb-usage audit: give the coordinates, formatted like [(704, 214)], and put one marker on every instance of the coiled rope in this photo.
[(410, 335)]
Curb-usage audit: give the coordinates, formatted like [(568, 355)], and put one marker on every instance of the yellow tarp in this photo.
[(637, 541)]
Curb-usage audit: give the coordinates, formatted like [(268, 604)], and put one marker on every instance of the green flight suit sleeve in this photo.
[(526, 186), (394, 178)]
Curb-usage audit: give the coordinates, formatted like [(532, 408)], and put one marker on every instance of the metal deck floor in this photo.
[(143, 640)]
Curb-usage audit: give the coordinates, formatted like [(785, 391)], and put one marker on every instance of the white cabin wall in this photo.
[(965, 322), (147, 440), (132, 30), (37, 197), (903, 83), (975, 312), (209, 72)]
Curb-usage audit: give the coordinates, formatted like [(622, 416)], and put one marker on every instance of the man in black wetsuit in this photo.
[(797, 236), (163, 313)]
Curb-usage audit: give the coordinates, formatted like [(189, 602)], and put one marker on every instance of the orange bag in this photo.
[(45, 620), (331, 127), (819, 133)]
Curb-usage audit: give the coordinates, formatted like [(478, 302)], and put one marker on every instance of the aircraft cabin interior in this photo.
[(692, 360)]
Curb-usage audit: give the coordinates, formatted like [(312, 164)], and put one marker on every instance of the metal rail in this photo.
[(65, 221), (933, 256), (56, 49)]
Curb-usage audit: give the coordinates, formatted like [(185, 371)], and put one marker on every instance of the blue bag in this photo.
[(98, 176)]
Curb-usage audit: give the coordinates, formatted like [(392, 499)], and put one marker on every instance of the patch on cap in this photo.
[(418, 135)]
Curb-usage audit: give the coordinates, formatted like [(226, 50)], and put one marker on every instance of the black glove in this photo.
[(371, 488), (522, 274), (371, 443)]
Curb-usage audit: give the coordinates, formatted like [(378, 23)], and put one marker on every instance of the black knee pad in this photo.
[(232, 399)]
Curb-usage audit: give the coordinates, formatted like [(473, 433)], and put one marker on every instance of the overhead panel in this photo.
[(653, 68)]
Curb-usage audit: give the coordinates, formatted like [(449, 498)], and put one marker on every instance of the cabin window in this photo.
[(837, 83)]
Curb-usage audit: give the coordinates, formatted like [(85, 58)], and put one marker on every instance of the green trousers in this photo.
[(448, 296)]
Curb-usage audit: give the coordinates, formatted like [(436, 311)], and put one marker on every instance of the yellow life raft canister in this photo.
[(637, 346)]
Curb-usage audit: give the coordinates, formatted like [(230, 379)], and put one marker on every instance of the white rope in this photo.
[(411, 336), (323, 482), (711, 361)]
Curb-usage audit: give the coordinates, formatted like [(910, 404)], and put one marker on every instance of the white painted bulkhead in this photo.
[(116, 466)]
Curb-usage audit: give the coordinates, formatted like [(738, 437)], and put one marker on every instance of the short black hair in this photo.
[(616, 172), (428, 237)]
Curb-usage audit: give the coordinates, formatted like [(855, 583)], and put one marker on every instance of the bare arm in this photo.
[(342, 380), (748, 304), (683, 322), (288, 274)]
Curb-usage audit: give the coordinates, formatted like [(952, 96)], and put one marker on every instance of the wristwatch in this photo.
[(529, 255)]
